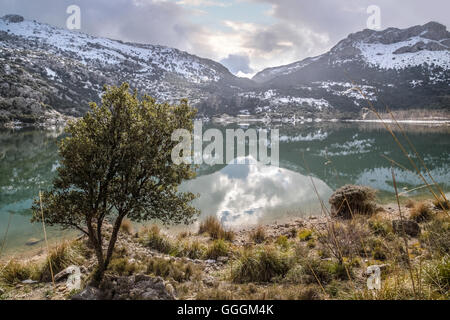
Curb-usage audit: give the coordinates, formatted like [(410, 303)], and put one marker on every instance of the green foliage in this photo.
[(123, 267), (380, 227), (192, 250), (261, 265), (219, 248), (115, 164), (155, 240), (283, 242), (437, 236), (15, 271), (305, 235), (61, 257), (437, 274), (177, 270)]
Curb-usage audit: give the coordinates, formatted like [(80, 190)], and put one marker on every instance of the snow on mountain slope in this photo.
[(271, 73), (395, 55), (87, 49)]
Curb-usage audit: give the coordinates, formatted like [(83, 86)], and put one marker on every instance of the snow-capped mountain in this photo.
[(47, 71), (405, 69), (42, 66)]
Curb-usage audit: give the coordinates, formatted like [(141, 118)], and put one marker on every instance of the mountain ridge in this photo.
[(47, 71)]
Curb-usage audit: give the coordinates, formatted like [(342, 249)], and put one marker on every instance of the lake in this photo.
[(325, 155)]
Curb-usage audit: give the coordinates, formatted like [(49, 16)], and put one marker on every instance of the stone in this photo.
[(29, 281), (32, 242), (409, 227), (136, 287), (67, 272), (89, 293), (222, 259)]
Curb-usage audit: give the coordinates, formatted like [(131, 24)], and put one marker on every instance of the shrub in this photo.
[(343, 239), (258, 235), (442, 204), (192, 250), (126, 226), (305, 235), (315, 271), (156, 241), (219, 248), (421, 212), (180, 271), (437, 274), (283, 242), (351, 200), (261, 265), (437, 236), (380, 227), (214, 228), (123, 267), (61, 257), (114, 146), (15, 271)]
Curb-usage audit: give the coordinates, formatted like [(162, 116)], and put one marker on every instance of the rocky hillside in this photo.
[(406, 69), (47, 72), (43, 67)]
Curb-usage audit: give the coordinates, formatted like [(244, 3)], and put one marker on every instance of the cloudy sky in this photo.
[(245, 35)]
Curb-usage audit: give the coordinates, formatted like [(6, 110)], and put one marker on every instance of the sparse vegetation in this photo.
[(258, 235), (441, 204), (219, 248), (212, 226), (126, 226), (421, 212), (177, 270), (261, 265), (305, 235)]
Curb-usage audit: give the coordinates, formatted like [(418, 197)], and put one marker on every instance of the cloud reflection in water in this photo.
[(249, 193)]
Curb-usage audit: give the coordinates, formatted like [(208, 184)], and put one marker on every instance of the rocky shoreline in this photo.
[(150, 264)]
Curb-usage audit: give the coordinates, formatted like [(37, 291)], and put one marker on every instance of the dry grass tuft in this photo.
[(127, 227), (212, 226), (258, 235), (441, 204), (421, 212)]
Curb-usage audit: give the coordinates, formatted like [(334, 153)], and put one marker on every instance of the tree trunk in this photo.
[(112, 241)]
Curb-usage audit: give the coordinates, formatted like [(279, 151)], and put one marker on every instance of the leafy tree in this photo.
[(116, 164)]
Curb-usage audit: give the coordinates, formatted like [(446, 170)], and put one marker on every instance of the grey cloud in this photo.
[(340, 18), (144, 21), (236, 63)]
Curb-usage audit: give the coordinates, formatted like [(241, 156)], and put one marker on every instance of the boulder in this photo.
[(408, 227), (88, 294), (136, 287), (351, 199)]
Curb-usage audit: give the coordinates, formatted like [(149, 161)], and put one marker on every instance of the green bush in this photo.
[(156, 241), (261, 265), (123, 267), (15, 271), (219, 248), (437, 275), (177, 270), (305, 235)]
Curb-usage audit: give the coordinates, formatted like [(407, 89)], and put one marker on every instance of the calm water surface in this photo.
[(244, 194)]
